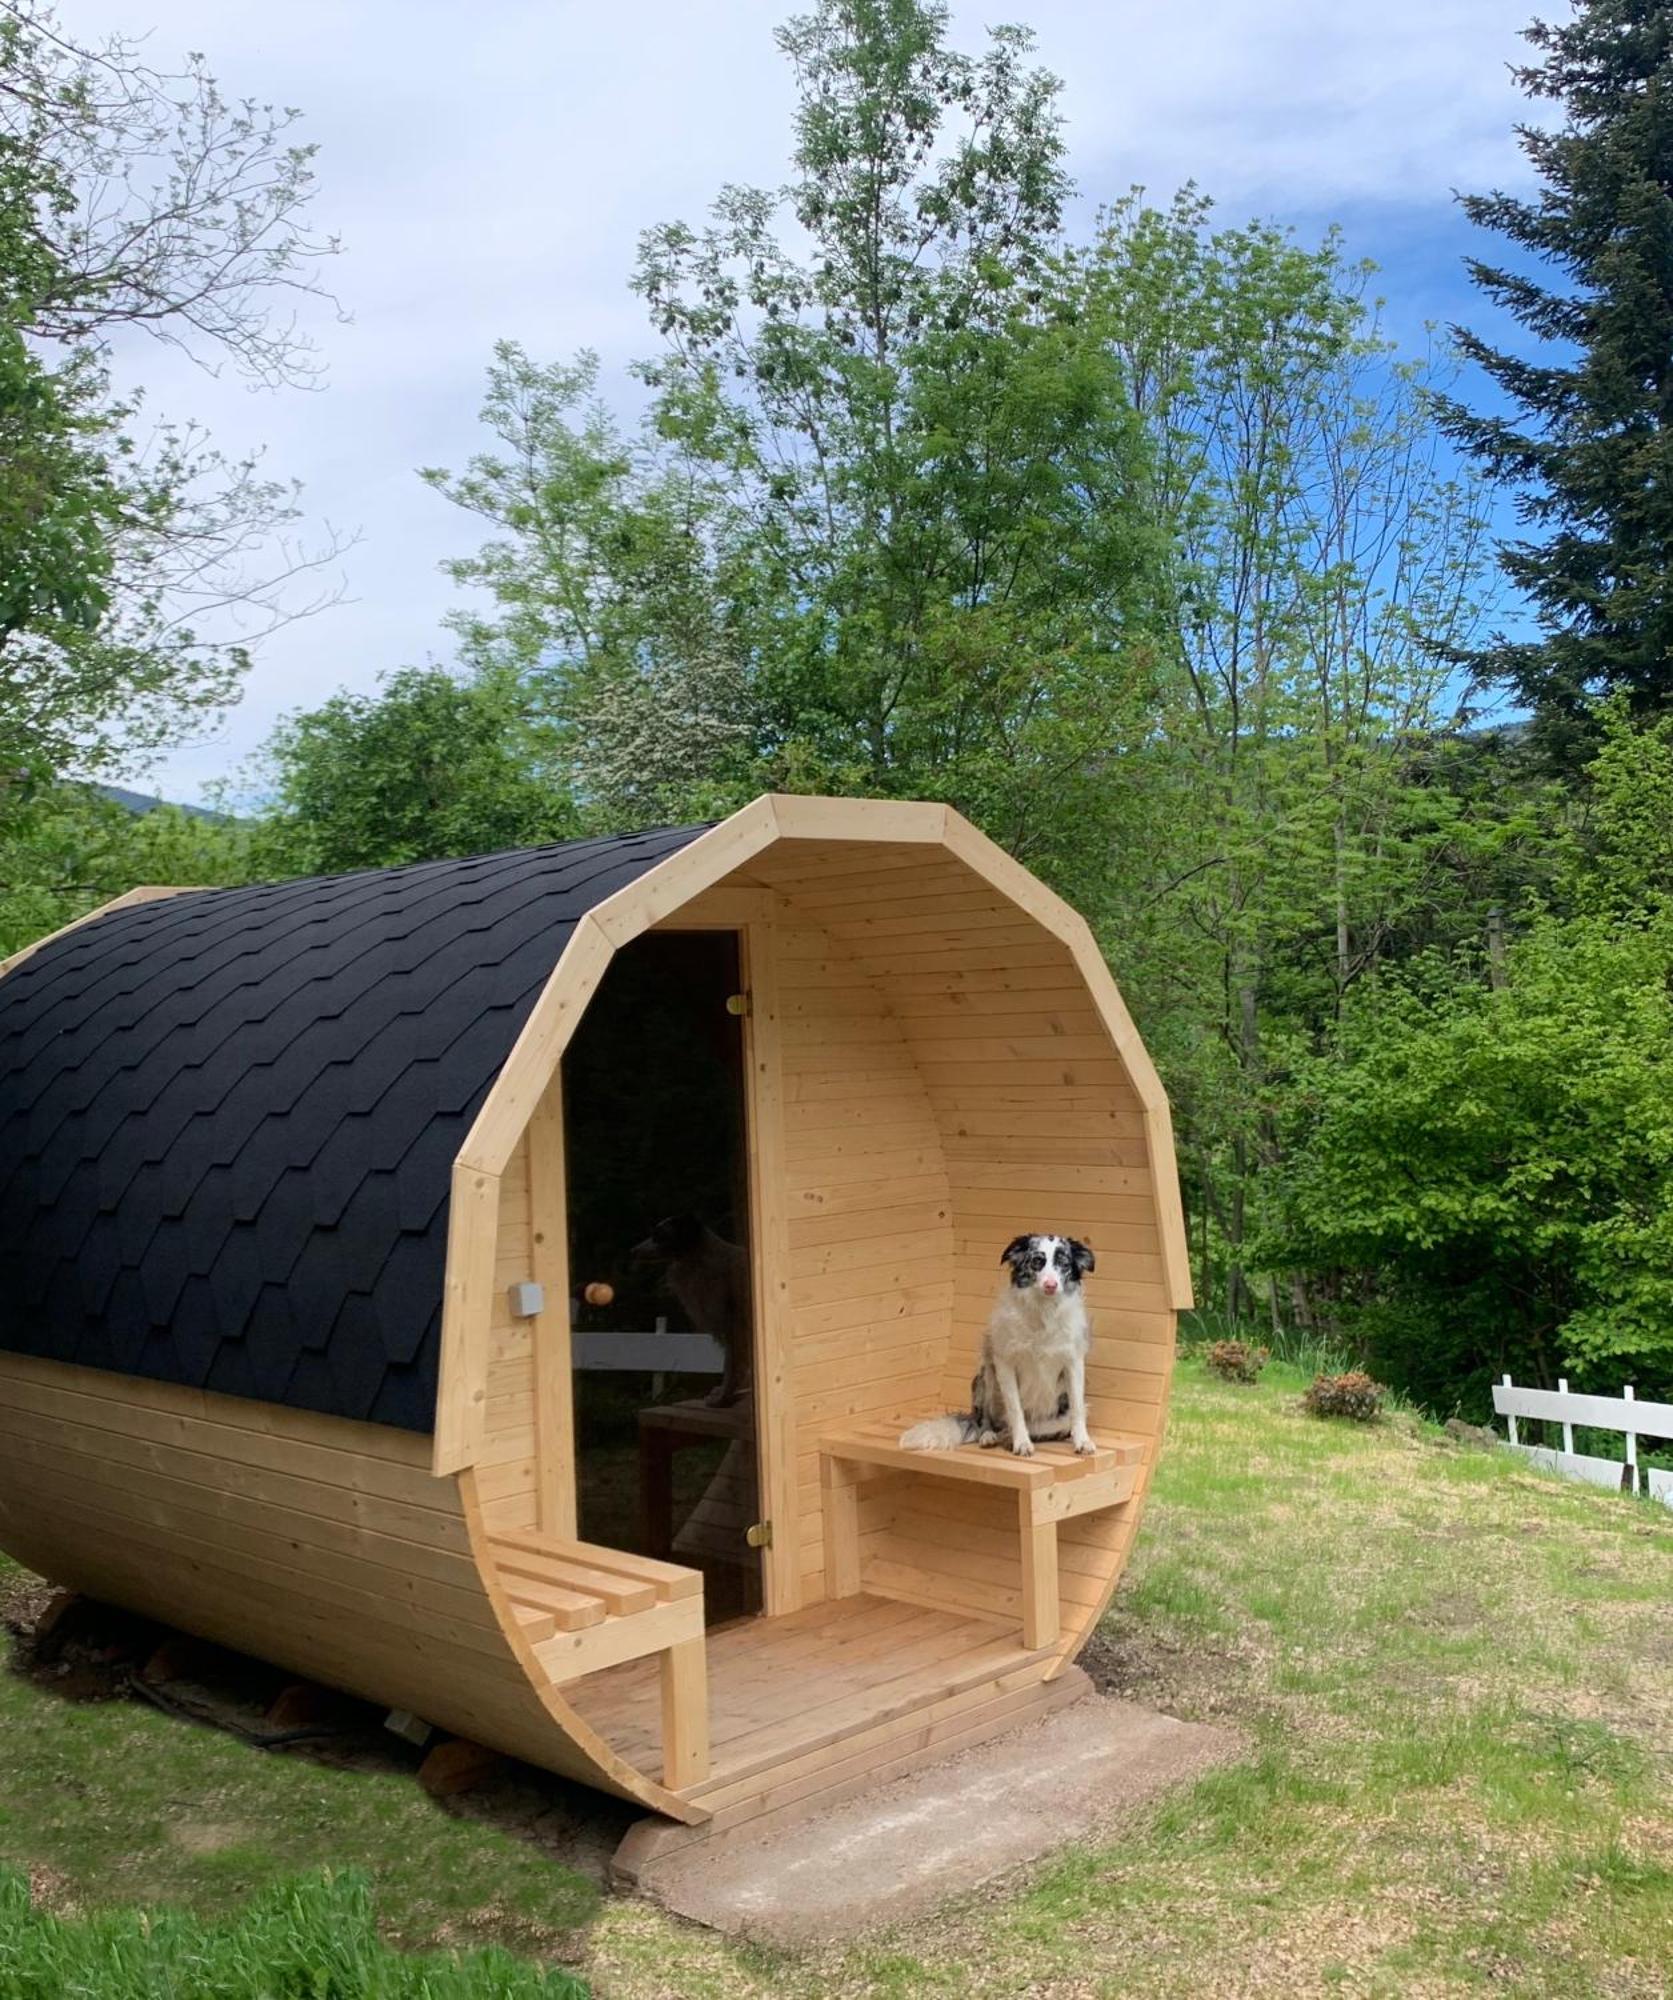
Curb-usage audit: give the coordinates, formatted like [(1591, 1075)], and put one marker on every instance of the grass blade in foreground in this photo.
[(311, 1939)]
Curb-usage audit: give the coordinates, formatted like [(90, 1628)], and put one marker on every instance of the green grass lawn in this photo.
[(108, 1804), (1455, 1675), (312, 1940)]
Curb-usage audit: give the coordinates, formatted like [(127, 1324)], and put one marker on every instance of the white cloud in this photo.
[(490, 169)]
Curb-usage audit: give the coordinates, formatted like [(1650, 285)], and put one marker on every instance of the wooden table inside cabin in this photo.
[(664, 1429)]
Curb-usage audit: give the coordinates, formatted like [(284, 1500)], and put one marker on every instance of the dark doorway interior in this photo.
[(659, 1259)]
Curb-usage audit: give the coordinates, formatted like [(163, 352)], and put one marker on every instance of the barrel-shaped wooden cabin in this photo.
[(495, 1287)]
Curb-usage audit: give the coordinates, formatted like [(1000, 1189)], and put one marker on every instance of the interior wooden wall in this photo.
[(870, 1256), (1035, 1126)]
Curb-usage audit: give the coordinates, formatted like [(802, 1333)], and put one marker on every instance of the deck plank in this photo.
[(782, 1688)]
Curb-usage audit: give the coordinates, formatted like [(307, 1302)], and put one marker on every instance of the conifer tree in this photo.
[(1588, 432)]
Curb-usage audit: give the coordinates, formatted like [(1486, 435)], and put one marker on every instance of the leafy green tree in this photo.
[(96, 663), (431, 765), (132, 200), (1321, 558), (1618, 851), (65, 848), (1501, 1159), (1486, 1167), (1144, 553), (623, 595), (60, 505), (881, 531), (939, 452), (1588, 435)]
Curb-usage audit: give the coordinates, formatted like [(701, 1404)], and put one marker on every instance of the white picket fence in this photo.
[(1622, 1413)]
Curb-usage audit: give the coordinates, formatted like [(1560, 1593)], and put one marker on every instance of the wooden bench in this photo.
[(583, 1607), (1056, 1484)]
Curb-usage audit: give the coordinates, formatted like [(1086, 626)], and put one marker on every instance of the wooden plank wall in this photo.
[(1039, 1129), (870, 1247), (506, 1472), (323, 1545)]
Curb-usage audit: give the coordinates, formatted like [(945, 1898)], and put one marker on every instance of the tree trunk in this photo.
[(1239, 1298)]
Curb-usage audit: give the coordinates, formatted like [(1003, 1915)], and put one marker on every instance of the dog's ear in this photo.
[(1017, 1247), (680, 1234), (1081, 1257)]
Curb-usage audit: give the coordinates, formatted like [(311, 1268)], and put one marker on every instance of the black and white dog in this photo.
[(1031, 1386)]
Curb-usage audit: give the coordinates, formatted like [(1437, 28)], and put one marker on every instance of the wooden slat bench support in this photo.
[(584, 1607), (669, 1579), (1056, 1484), (536, 1624), (618, 1596)]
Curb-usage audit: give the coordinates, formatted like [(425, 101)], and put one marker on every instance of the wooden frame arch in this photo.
[(659, 896)]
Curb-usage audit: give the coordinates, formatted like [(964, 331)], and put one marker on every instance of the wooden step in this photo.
[(585, 1608)]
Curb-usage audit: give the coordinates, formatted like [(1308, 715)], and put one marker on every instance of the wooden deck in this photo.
[(791, 1696)]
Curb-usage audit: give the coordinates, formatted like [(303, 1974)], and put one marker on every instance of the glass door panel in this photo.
[(659, 1260)]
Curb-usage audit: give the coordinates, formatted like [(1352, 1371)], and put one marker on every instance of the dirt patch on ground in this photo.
[(1196, 1681), (1652, 1641), (1453, 1611), (50, 1891), (23, 1600), (198, 1836), (569, 1823)]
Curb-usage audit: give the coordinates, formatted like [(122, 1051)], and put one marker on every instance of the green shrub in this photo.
[(1236, 1360), (311, 1939), (1478, 1171), (1353, 1395)]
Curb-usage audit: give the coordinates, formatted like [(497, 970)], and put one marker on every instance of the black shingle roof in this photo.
[(228, 1119)]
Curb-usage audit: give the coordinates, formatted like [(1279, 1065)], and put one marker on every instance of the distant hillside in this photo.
[(139, 803)]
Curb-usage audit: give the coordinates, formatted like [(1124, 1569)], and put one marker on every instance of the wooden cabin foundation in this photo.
[(721, 1604)]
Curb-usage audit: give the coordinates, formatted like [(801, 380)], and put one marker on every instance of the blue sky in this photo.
[(489, 170)]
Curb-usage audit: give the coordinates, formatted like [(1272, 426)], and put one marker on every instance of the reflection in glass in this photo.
[(660, 1264)]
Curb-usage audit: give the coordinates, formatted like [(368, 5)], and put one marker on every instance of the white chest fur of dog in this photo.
[(1042, 1340), (1031, 1385)]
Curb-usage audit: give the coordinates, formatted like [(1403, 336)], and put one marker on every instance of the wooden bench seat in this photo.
[(583, 1607), (567, 1586), (1055, 1484)]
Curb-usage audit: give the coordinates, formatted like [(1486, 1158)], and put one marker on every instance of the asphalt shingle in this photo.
[(228, 1118)]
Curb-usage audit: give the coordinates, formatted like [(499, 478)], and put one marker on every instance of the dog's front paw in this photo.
[(1084, 1445), (1023, 1447)]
